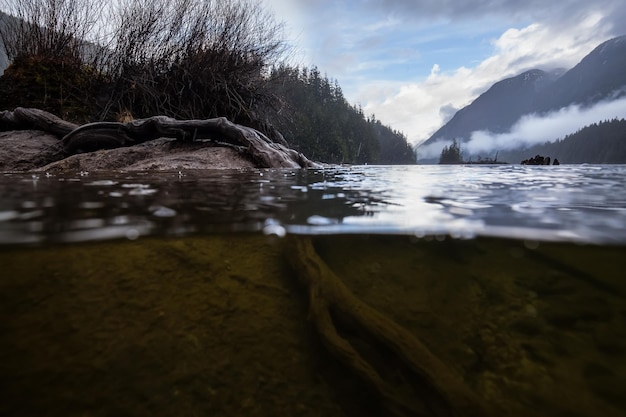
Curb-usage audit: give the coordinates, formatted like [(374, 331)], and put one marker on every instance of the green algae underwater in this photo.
[(221, 325)]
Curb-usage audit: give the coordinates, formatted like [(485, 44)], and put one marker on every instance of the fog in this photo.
[(534, 129)]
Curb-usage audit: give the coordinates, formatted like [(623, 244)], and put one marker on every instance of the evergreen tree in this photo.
[(316, 119), (451, 154)]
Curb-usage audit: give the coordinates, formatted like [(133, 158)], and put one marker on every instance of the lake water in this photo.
[(178, 293), (565, 203)]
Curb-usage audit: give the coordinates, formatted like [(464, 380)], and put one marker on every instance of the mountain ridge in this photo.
[(486, 111), (600, 75)]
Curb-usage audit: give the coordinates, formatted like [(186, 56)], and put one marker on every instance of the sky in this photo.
[(414, 63)]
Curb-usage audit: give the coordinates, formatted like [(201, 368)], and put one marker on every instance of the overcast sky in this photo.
[(413, 63)]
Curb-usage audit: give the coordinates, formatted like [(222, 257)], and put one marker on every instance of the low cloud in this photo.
[(431, 150), (534, 129), (447, 112)]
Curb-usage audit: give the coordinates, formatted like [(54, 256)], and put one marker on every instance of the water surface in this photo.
[(580, 203)]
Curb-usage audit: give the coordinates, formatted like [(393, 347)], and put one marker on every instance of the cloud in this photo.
[(557, 13), (447, 112), (419, 108), (432, 150), (412, 62), (563, 11), (534, 129)]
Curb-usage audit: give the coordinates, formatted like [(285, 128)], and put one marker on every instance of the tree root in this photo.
[(106, 135), (428, 387), (23, 118)]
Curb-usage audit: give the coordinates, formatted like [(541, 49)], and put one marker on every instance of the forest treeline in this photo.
[(318, 120), (87, 60), (598, 143)]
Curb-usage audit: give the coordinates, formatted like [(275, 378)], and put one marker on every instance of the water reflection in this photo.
[(585, 203)]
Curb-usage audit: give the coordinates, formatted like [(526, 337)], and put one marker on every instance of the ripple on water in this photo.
[(572, 203)]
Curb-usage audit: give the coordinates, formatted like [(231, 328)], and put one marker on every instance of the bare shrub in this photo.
[(193, 59), (181, 58), (54, 29), (47, 44)]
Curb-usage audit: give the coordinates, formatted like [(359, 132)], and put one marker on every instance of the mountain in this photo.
[(498, 108), (600, 75)]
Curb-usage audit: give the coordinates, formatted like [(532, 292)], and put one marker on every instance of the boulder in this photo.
[(27, 150), (34, 150), (539, 160), (164, 154), (156, 143)]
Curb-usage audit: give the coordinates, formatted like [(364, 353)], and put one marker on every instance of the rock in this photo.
[(262, 150), (27, 150), (155, 143), (539, 160), (33, 150), (157, 155)]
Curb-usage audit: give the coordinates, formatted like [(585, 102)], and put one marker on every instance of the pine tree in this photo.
[(317, 120), (451, 154)]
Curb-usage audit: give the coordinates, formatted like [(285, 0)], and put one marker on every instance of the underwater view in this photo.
[(374, 291)]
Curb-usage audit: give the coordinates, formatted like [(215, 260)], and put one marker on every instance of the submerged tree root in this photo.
[(427, 387)]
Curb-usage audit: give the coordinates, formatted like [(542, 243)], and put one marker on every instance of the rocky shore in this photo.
[(34, 140), (38, 151)]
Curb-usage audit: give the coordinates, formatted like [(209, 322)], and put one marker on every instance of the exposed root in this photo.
[(105, 135), (428, 387), (26, 118)]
